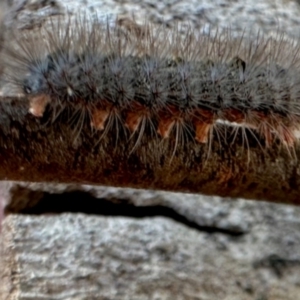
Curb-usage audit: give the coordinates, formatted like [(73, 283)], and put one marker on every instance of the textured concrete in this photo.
[(211, 248), (87, 257)]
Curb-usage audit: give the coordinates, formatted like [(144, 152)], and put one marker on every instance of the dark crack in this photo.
[(84, 202)]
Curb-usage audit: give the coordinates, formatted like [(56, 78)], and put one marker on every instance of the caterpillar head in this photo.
[(36, 80)]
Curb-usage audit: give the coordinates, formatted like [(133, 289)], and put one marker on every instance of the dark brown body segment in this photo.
[(33, 149)]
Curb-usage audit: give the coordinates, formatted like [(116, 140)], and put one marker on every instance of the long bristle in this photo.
[(142, 76)]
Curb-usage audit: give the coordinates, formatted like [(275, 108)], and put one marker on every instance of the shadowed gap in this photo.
[(84, 202)]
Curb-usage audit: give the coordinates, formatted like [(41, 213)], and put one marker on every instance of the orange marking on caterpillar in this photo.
[(203, 121), (100, 116), (135, 116), (37, 105), (233, 115), (168, 118), (202, 131)]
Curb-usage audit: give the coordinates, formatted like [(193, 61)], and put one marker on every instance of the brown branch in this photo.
[(37, 149)]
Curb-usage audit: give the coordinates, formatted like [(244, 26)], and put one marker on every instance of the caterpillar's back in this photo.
[(144, 78)]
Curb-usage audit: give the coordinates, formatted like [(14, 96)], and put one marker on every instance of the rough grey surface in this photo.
[(241, 250), (87, 257), (232, 215), (267, 15)]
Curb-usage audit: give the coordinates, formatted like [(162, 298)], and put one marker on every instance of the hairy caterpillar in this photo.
[(136, 82), (141, 78)]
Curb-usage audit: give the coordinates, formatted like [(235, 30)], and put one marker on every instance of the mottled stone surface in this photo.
[(87, 257), (267, 15), (201, 248)]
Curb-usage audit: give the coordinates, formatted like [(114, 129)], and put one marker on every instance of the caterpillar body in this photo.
[(150, 81), (143, 78)]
